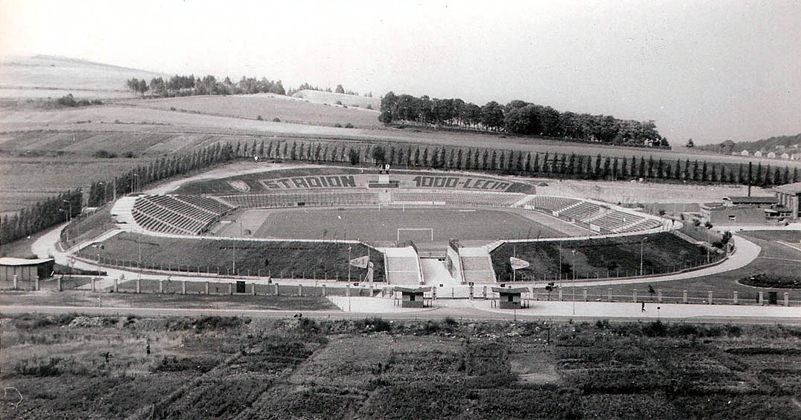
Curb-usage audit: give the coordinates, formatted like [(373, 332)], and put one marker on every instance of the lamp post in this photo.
[(642, 242), (573, 264)]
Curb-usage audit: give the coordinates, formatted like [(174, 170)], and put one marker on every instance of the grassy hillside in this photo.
[(779, 145), (268, 106), (330, 98), (48, 76)]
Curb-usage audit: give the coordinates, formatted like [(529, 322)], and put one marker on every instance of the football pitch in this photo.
[(372, 224)]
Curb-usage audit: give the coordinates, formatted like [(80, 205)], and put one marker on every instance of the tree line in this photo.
[(42, 215), (519, 117), (180, 85)]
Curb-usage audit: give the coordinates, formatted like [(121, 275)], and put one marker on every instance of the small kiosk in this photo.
[(510, 298), (411, 297)]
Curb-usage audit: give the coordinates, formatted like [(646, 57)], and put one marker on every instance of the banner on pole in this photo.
[(518, 264), (360, 262)]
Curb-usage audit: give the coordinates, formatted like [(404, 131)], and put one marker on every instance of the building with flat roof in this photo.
[(25, 269), (789, 196)]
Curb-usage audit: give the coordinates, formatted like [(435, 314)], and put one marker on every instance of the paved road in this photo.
[(463, 309)]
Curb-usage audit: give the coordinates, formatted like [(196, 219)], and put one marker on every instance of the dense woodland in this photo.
[(519, 117), (550, 165)]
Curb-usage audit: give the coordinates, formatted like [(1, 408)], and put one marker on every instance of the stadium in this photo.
[(395, 227)]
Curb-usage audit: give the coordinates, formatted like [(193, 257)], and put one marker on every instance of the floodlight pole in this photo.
[(349, 247), (645, 238), (574, 281)]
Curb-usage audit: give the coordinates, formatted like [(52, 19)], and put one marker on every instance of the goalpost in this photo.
[(430, 230)]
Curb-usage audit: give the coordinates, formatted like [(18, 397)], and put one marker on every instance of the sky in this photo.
[(709, 70)]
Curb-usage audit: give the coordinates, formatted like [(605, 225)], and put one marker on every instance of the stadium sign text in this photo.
[(303, 182), (459, 182)]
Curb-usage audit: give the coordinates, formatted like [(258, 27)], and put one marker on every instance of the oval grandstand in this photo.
[(448, 223)]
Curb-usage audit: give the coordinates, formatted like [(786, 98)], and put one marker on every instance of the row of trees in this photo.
[(180, 85), (519, 117), (42, 215), (518, 162), (338, 89), (101, 192)]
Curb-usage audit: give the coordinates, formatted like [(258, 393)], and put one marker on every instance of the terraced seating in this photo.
[(176, 214), (581, 211), (551, 203), (459, 197), (308, 199), (644, 224), (615, 220)]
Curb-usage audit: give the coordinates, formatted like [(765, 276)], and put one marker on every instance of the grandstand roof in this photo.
[(11, 261), (794, 188), (752, 200), (412, 289), (508, 290)]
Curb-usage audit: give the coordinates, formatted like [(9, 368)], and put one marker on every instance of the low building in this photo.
[(758, 153), (771, 155), (744, 153), (25, 269), (412, 297), (789, 198), (510, 297), (749, 201)]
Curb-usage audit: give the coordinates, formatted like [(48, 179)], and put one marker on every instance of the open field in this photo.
[(268, 258), (23, 181), (268, 106), (610, 257), (210, 366), (381, 225), (122, 118), (50, 76), (331, 98)]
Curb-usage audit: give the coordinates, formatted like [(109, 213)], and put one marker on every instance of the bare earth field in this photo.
[(75, 366), (382, 225)]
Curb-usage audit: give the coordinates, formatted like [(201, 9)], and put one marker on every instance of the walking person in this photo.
[(643, 306)]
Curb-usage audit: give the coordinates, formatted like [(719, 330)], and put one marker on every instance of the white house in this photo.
[(744, 153), (771, 155), (758, 153), (785, 155)]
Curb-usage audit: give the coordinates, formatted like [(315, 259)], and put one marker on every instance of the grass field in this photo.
[(278, 259), (611, 257), (269, 106), (774, 259), (382, 225), (75, 366)]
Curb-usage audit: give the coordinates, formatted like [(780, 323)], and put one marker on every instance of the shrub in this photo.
[(348, 125), (103, 154), (369, 106), (339, 102), (373, 325), (67, 100), (259, 118), (276, 119), (338, 125), (172, 108)]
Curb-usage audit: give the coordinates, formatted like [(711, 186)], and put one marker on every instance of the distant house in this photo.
[(744, 153), (758, 153), (785, 155), (771, 155), (795, 156)]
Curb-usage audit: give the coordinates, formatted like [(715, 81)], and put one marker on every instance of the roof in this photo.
[(412, 289), (9, 261), (752, 200), (510, 289), (794, 188)]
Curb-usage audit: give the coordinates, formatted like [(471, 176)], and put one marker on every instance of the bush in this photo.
[(67, 100), (369, 106), (348, 125), (103, 154), (276, 119), (259, 118), (338, 125), (172, 108), (373, 325), (339, 102)]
